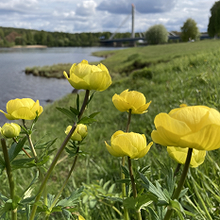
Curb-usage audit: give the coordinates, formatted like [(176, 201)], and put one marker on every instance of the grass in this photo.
[(169, 75)]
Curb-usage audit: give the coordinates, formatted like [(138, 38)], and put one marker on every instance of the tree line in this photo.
[(17, 36)]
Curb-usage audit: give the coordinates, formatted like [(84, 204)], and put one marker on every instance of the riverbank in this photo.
[(126, 61), (30, 46)]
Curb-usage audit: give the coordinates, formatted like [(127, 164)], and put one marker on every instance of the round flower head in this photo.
[(133, 100), (10, 130), (25, 108), (80, 132), (179, 154), (89, 77), (188, 127), (129, 144)]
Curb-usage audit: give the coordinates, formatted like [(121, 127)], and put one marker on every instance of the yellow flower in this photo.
[(25, 108), (191, 127), (80, 132), (89, 77), (179, 154), (133, 100), (10, 130), (129, 144)]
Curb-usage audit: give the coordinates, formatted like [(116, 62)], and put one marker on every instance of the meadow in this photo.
[(168, 75)]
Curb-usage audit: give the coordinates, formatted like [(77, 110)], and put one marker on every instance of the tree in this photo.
[(189, 30), (157, 34), (214, 20)]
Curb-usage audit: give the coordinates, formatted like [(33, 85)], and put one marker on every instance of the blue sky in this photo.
[(75, 16)]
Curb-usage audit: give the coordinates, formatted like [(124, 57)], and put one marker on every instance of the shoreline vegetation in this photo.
[(30, 46), (142, 59)]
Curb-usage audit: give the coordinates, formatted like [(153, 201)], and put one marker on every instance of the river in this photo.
[(14, 83)]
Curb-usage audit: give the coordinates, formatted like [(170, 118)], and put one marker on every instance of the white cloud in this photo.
[(102, 15)]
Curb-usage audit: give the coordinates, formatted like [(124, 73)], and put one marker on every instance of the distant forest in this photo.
[(16, 36)]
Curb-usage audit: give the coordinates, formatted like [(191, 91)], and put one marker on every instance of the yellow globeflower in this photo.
[(25, 108), (191, 127), (129, 144), (10, 130), (179, 154), (133, 100), (89, 77), (80, 132)]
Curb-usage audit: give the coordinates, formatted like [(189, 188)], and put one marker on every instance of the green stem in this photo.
[(138, 213), (30, 142), (129, 120), (124, 194), (65, 182), (123, 185), (47, 175), (10, 178), (181, 182), (32, 147)]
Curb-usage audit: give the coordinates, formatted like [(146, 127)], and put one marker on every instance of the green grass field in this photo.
[(168, 75)]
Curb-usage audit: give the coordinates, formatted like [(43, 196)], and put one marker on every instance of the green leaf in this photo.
[(94, 114), (67, 112), (16, 148), (74, 111), (162, 199), (67, 214), (72, 200), (86, 120), (112, 188), (137, 203), (23, 163), (175, 205), (27, 200), (50, 199), (125, 171), (153, 214), (3, 198)]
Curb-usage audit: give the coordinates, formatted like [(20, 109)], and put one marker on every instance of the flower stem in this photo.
[(129, 120), (10, 178), (123, 185), (32, 147), (30, 142), (124, 194), (138, 213), (53, 164), (65, 182), (181, 182)]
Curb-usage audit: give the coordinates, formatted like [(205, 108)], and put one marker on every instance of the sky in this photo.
[(76, 16)]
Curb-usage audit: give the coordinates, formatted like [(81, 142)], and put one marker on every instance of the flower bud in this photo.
[(80, 132), (89, 77), (10, 130), (25, 108), (129, 144), (131, 100)]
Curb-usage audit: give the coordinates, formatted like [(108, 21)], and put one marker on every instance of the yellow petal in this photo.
[(169, 130), (23, 113), (207, 139)]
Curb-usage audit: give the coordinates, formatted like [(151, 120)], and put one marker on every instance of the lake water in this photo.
[(14, 83)]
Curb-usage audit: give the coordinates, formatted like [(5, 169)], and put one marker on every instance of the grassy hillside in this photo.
[(168, 75)]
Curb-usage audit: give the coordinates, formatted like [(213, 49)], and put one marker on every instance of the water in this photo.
[(14, 83)]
